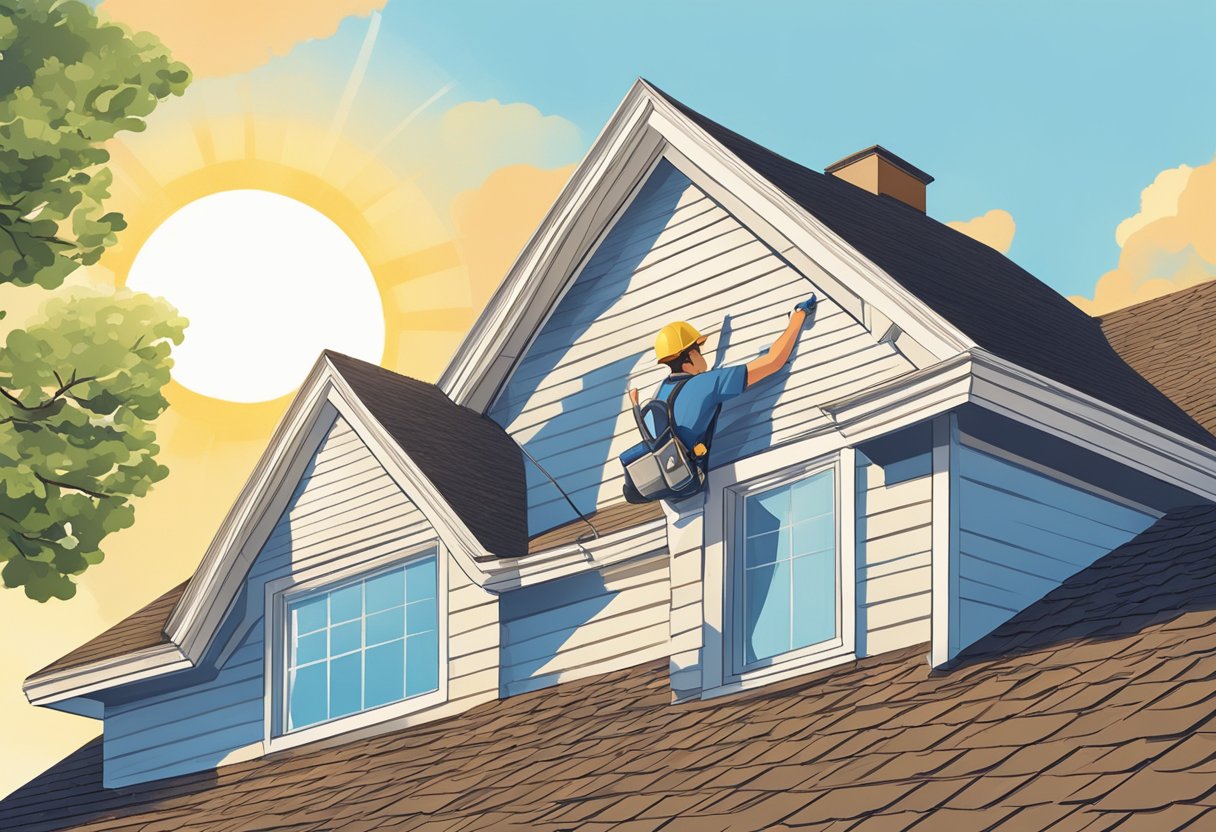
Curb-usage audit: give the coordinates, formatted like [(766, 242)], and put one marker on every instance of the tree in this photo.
[(75, 444), (79, 386), (67, 84)]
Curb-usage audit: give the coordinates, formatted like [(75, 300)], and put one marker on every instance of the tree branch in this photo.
[(100, 495), (64, 388)]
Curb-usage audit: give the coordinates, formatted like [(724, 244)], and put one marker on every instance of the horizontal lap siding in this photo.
[(345, 510), (586, 624), (1021, 534), (673, 254), (894, 542)]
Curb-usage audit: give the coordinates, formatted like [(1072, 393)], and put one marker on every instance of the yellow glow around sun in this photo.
[(422, 284)]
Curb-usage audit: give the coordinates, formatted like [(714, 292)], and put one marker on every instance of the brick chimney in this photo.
[(880, 171)]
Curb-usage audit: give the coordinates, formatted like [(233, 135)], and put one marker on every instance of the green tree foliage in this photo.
[(68, 83), (80, 385), (77, 390)]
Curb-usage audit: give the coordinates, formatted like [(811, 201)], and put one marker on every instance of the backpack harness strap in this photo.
[(702, 459)]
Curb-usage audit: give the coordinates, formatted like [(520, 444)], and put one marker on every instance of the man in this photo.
[(678, 345)]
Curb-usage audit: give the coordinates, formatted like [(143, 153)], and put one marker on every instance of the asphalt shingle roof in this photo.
[(1094, 707), (1172, 343), (468, 457)]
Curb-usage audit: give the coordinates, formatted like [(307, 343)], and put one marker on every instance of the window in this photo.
[(789, 568), (362, 644)]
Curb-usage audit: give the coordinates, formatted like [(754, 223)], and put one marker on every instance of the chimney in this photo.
[(880, 171)]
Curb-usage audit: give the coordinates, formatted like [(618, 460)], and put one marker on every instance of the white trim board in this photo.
[(981, 378)]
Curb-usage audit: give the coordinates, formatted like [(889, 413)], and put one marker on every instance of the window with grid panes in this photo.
[(365, 643), (789, 548)]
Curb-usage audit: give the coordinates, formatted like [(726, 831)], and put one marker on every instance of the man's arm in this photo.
[(779, 353)]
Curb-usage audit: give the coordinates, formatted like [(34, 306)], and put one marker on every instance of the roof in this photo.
[(1171, 342), (468, 457), (146, 628), (881, 152), (475, 465), (995, 302), (1094, 706), (141, 629)]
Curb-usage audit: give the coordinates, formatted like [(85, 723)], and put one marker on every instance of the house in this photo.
[(953, 569)]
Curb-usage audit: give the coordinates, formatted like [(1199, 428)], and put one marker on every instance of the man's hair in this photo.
[(676, 364)]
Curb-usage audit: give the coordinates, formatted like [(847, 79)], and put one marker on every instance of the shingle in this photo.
[(1170, 342), (614, 750)]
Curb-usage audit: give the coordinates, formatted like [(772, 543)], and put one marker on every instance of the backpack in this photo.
[(660, 467)]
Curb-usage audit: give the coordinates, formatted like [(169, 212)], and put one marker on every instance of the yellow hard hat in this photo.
[(674, 338)]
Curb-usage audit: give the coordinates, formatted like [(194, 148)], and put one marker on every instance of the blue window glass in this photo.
[(789, 567), (363, 644)]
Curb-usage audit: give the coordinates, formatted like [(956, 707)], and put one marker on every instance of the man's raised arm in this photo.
[(779, 353)]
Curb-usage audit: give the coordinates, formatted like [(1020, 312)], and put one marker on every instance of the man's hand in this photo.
[(807, 307)]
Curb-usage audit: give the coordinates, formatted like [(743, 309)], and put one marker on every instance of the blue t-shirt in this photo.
[(699, 399)]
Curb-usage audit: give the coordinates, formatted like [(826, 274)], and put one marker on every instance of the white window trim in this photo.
[(722, 642), (279, 592)]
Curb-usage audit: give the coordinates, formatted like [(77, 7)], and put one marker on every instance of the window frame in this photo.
[(280, 593), (735, 672)]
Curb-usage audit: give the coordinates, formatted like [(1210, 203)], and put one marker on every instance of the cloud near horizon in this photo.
[(1167, 246), (228, 37), (994, 229)]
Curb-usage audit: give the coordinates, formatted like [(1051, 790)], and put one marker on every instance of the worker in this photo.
[(678, 345)]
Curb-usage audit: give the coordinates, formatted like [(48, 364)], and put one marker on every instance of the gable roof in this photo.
[(995, 302), (473, 463), (1171, 342), (1090, 708)]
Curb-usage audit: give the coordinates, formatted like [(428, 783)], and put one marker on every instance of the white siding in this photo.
[(894, 542), (673, 254), (345, 510), (585, 624), (1021, 534)]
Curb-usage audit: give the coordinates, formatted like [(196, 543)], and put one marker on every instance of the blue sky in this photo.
[(1060, 113)]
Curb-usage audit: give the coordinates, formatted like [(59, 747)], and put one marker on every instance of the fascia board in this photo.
[(904, 400), (478, 352), (1054, 408), (61, 685), (559, 562), (198, 612), (981, 378)]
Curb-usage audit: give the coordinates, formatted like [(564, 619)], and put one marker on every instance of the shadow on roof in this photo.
[(1163, 573)]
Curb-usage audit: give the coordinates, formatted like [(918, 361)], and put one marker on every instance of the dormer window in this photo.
[(360, 649)]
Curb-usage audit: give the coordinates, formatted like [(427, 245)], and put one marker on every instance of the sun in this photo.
[(267, 282), (393, 288)]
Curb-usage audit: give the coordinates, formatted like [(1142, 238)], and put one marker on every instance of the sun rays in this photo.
[(407, 242)]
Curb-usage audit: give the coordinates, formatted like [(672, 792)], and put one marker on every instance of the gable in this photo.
[(674, 253), (346, 509)]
